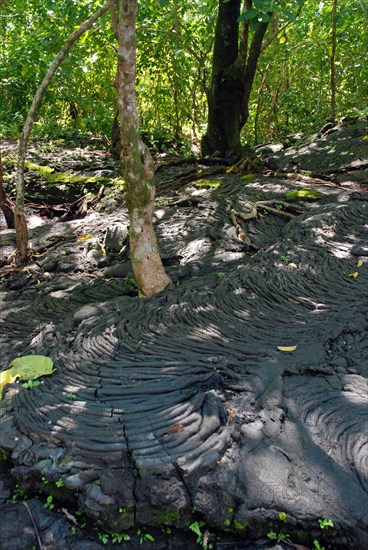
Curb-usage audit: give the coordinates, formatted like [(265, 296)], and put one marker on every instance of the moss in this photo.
[(59, 187), (248, 177), (50, 176), (4, 455), (304, 195), (239, 526), (206, 184), (168, 517)]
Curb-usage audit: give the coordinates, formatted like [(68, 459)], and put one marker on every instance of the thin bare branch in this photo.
[(20, 221)]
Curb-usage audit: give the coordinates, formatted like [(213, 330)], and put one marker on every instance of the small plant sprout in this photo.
[(71, 396), (49, 505), (196, 528), (104, 537), (280, 536), (122, 510), (19, 493), (31, 384), (44, 480), (283, 517), (202, 538), (59, 483), (285, 258), (143, 537), (325, 523), (120, 537)]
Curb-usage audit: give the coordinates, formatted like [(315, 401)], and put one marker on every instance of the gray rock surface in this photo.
[(183, 402)]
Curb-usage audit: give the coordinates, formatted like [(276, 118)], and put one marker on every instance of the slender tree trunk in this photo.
[(20, 218), (233, 72), (140, 191), (250, 71), (332, 61), (6, 204)]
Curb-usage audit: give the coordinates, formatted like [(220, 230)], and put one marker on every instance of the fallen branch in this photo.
[(34, 525)]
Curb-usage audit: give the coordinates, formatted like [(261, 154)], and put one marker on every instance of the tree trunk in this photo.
[(140, 191), (6, 204), (115, 147), (332, 61), (233, 72), (227, 85), (20, 218)]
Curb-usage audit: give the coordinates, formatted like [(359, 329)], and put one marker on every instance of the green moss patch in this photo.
[(304, 195), (54, 187), (248, 177), (207, 184)]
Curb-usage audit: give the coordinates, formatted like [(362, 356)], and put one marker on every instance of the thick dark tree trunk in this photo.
[(6, 204), (140, 191), (227, 84), (233, 72)]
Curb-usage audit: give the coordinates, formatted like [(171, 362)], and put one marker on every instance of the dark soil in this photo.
[(181, 408)]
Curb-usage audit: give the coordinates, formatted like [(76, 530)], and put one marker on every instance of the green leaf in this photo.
[(28, 367), (364, 7), (249, 14)]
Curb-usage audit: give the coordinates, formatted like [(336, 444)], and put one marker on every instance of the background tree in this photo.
[(234, 66), (292, 89)]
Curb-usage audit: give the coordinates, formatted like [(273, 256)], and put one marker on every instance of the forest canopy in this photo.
[(291, 91)]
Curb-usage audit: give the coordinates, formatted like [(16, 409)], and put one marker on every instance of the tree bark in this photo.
[(226, 88), (332, 61), (233, 72), (6, 204), (20, 218), (138, 165)]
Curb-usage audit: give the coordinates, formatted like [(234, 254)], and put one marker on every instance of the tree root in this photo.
[(268, 206)]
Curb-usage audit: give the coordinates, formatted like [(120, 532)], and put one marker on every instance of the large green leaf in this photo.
[(28, 367)]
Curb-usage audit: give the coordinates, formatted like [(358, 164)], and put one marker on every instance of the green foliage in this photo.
[(4, 455), (325, 523), (104, 537), (119, 537), (291, 91), (283, 517), (49, 505), (196, 527), (279, 536), (18, 494), (143, 537), (31, 384), (168, 517)]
